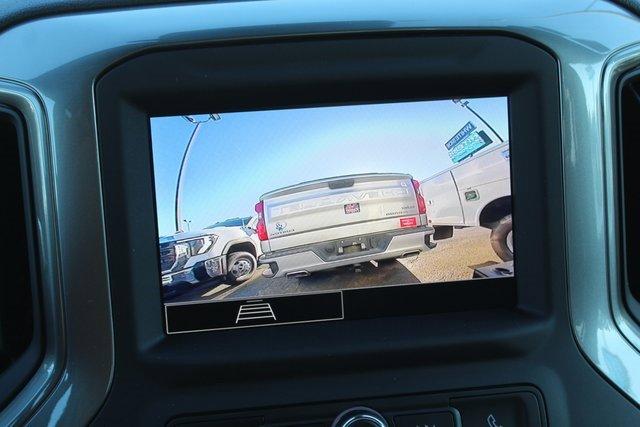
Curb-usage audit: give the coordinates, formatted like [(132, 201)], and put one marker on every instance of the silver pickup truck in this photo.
[(341, 221), (476, 192)]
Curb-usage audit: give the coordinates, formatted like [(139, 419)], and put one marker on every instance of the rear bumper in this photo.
[(311, 258)]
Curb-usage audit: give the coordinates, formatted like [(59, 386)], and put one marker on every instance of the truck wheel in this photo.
[(502, 239), (240, 267)]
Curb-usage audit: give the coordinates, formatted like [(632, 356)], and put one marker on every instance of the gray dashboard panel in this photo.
[(51, 366), (59, 58)]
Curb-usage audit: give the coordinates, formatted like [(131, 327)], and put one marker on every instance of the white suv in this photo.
[(228, 248)]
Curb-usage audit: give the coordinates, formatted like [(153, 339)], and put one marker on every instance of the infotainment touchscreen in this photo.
[(273, 217)]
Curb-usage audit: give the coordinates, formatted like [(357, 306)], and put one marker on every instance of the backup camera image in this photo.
[(260, 204)]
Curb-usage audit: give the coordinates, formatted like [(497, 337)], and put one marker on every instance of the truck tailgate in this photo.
[(339, 208)]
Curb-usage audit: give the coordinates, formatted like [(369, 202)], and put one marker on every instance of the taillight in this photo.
[(261, 227), (422, 206)]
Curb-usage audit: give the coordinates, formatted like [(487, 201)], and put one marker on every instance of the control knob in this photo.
[(359, 417)]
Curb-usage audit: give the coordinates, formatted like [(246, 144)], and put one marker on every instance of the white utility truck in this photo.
[(475, 192), (341, 221)]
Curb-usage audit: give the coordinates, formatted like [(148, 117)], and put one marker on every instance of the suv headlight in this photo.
[(188, 248)]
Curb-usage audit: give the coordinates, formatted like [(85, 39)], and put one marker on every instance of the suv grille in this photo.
[(167, 257)]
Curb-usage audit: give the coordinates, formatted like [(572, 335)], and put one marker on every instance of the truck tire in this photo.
[(240, 267), (502, 239)]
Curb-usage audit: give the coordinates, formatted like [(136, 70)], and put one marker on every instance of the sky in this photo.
[(243, 155)]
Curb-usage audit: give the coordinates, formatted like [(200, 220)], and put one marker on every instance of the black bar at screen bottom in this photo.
[(351, 304), (253, 312)]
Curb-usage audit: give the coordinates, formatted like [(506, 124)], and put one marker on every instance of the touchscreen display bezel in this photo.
[(290, 73)]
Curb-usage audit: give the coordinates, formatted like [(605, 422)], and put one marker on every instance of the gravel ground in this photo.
[(392, 273), (454, 258)]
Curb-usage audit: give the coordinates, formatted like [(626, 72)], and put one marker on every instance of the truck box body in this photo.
[(340, 221), (457, 195)]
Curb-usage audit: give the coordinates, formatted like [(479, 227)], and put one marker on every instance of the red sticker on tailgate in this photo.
[(408, 222), (352, 208)]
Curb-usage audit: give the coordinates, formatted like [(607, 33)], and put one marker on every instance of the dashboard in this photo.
[(278, 213)]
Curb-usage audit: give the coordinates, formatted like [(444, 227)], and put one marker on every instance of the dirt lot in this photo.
[(453, 259)]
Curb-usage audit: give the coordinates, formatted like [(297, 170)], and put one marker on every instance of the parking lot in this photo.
[(453, 259)]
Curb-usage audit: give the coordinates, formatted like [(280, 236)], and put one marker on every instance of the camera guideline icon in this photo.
[(255, 311)]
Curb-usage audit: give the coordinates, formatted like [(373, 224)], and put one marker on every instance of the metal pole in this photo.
[(465, 104), (185, 159)]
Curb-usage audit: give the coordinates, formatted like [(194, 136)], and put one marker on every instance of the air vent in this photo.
[(20, 343), (629, 134)]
